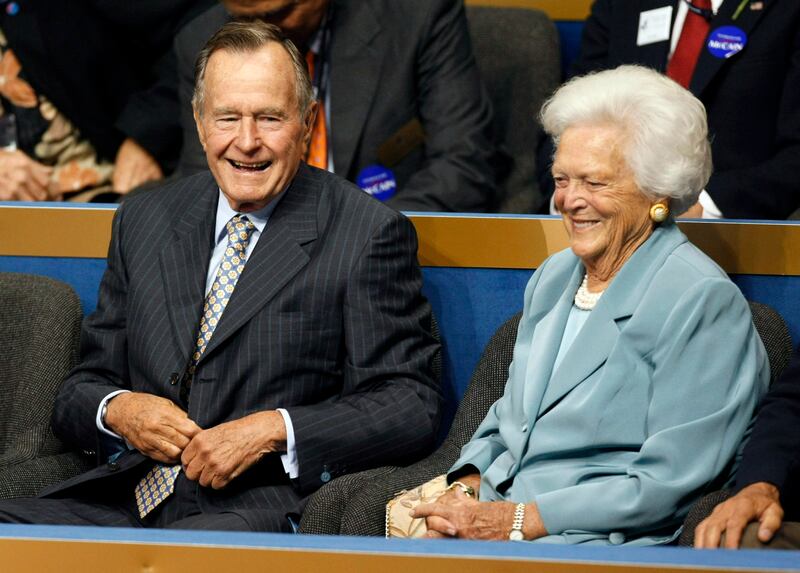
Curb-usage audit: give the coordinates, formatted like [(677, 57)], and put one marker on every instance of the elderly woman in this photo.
[(636, 367)]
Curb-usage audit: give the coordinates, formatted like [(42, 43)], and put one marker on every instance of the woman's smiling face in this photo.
[(605, 213)]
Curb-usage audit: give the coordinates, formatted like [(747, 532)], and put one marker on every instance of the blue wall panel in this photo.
[(469, 305), (569, 34), (83, 275)]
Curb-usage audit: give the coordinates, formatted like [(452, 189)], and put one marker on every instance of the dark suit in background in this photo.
[(390, 62), (751, 98)]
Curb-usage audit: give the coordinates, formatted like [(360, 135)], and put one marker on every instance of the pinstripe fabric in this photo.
[(327, 320)]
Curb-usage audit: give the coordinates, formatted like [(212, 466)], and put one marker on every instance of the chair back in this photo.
[(517, 53), (485, 387), (775, 335), (40, 322)]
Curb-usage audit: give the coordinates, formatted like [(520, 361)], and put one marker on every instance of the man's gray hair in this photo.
[(666, 133), (245, 36)]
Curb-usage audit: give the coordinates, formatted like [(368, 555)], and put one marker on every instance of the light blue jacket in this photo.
[(647, 408)]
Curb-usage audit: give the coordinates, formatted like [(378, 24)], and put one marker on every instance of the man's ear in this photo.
[(198, 122), (308, 123)]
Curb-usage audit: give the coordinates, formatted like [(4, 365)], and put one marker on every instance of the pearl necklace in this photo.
[(584, 299)]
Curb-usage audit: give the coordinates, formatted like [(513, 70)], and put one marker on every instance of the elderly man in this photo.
[(404, 113), (258, 332)]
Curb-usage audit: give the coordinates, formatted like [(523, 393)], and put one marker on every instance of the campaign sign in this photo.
[(378, 181), (726, 41)]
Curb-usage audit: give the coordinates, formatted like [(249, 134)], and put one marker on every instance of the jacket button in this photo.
[(325, 477), (112, 466), (173, 378)]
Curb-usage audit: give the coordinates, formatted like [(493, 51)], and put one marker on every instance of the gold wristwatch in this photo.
[(468, 490)]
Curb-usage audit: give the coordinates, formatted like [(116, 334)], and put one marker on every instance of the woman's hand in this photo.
[(23, 178), (455, 514)]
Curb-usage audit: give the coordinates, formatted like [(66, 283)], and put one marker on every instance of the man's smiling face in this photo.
[(250, 124)]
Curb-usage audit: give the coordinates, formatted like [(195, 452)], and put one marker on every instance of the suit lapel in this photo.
[(544, 345), (184, 265), (599, 335), (279, 255), (357, 53), (707, 65), (587, 353)]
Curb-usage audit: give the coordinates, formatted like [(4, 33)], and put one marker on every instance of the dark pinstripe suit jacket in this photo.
[(327, 321)]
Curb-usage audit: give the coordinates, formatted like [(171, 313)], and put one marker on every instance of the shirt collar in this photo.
[(315, 45), (225, 213)]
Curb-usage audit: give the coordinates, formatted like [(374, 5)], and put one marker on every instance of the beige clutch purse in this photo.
[(398, 521)]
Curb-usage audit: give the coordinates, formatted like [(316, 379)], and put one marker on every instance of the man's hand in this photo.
[(133, 166), (693, 212), (757, 502), (467, 518), (22, 178), (153, 425), (217, 456)]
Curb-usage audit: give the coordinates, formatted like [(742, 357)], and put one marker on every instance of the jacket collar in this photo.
[(358, 52), (282, 250), (597, 338)]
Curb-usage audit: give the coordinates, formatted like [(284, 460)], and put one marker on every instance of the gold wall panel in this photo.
[(33, 556), (524, 242), (55, 231), (447, 241), (556, 9)]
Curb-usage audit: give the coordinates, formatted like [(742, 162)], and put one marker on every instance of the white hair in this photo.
[(665, 126)]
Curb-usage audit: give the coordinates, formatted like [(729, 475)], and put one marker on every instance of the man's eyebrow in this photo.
[(224, 111), (276, 111)]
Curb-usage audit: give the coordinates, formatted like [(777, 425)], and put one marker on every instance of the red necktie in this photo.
[(318, 148), (693, 36)]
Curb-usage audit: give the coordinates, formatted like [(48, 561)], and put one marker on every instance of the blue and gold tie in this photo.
[(159, 483)]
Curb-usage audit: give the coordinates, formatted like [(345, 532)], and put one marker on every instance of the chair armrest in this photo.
[(323, 511), (365, 512), (28, 478)]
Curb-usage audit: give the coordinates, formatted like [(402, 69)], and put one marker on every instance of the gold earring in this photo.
[(659, 213)]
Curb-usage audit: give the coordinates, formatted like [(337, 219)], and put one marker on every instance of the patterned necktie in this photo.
[(318, 148), (159, 483), (690, 44)]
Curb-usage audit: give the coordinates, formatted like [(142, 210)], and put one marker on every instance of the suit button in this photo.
[(112, 466), (524, 428), (173, 378), (325, 476)]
